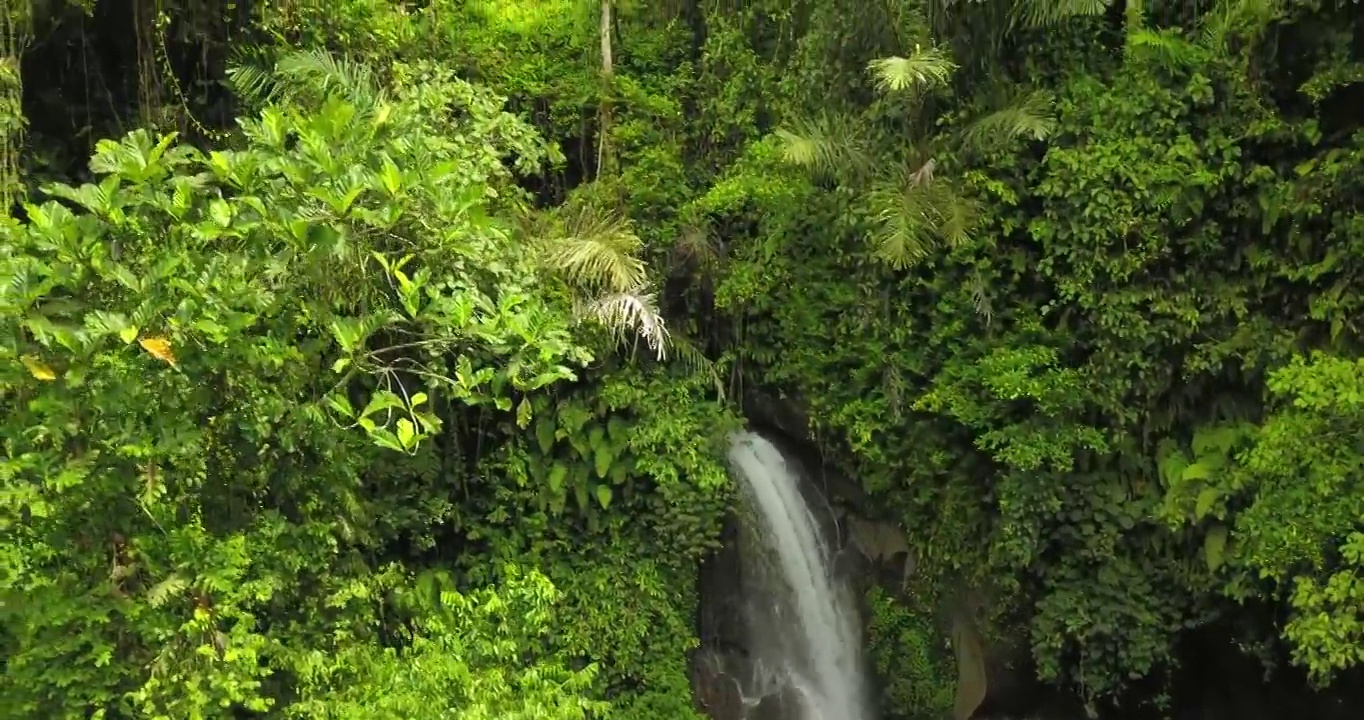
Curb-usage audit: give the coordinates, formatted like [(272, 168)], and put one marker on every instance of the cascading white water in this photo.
[(804, 622)]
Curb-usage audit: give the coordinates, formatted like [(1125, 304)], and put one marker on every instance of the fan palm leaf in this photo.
[(923, 70)]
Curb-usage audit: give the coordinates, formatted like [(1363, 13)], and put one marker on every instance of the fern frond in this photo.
[(1050, 13), (1244, 19), (828, 145), (921, 71), (623, 312), (1166, 47), (1030, 118), (596, 251), (325, 74)]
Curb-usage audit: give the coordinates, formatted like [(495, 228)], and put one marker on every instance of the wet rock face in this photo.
[(718, 666), (720, 622), (717, 682), (785, 705), (785, 414), (715, 691)]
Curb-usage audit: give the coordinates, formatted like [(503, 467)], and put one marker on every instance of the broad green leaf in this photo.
[(382, 400), (523, 412), (407, 433), (544, 433), (1197, 471), (341, 404), (385, 438), (557, 474), (602, 459), (1214, 546), (221, 212), (1206, 499)]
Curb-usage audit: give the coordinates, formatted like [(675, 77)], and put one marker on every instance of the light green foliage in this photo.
[(409, 392), (188, 519), (1295, 487), (1125, 284), (452, 668), (619, 494), (910, 659)]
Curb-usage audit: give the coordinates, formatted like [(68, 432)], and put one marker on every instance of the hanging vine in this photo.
[(182, 100), (146, 24), (15, 35)]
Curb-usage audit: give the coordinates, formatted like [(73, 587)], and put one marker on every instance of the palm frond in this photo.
[(828, 145), (695, 249), (254, 85), (915, 215), (1050, 13), (633, 311), (1167, 47), (690, 356), (921, 71), (1029, 118), (596, 251)]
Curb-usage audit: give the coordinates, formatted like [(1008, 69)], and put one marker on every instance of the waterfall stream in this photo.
[(804, 625)]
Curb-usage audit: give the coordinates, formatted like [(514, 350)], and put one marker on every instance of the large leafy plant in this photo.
[(188, 343)]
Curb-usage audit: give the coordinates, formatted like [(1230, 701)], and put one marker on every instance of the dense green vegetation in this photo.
[(370, 359)]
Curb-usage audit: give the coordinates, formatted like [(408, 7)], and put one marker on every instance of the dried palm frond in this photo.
[(625, 312)]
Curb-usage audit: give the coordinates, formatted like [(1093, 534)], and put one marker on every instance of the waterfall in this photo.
[(804, 626)]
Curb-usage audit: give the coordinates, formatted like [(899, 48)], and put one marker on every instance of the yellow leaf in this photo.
[(128, 334), (37, 369), (159, 348)]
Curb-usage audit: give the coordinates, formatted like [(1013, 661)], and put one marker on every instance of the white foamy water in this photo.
[(804, 623)]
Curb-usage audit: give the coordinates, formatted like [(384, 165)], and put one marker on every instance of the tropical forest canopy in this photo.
[(375, 359)]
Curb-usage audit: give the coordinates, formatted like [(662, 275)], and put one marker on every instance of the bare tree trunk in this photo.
[(605, 159)]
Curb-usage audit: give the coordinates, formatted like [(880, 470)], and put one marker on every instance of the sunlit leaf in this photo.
[(38, 368), (159, 348)]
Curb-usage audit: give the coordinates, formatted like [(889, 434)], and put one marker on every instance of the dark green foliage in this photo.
[(413, 386)]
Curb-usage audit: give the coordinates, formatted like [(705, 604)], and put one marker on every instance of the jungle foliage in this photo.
[(372, 359)]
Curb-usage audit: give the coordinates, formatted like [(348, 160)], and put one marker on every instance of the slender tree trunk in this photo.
[(605, 158)]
